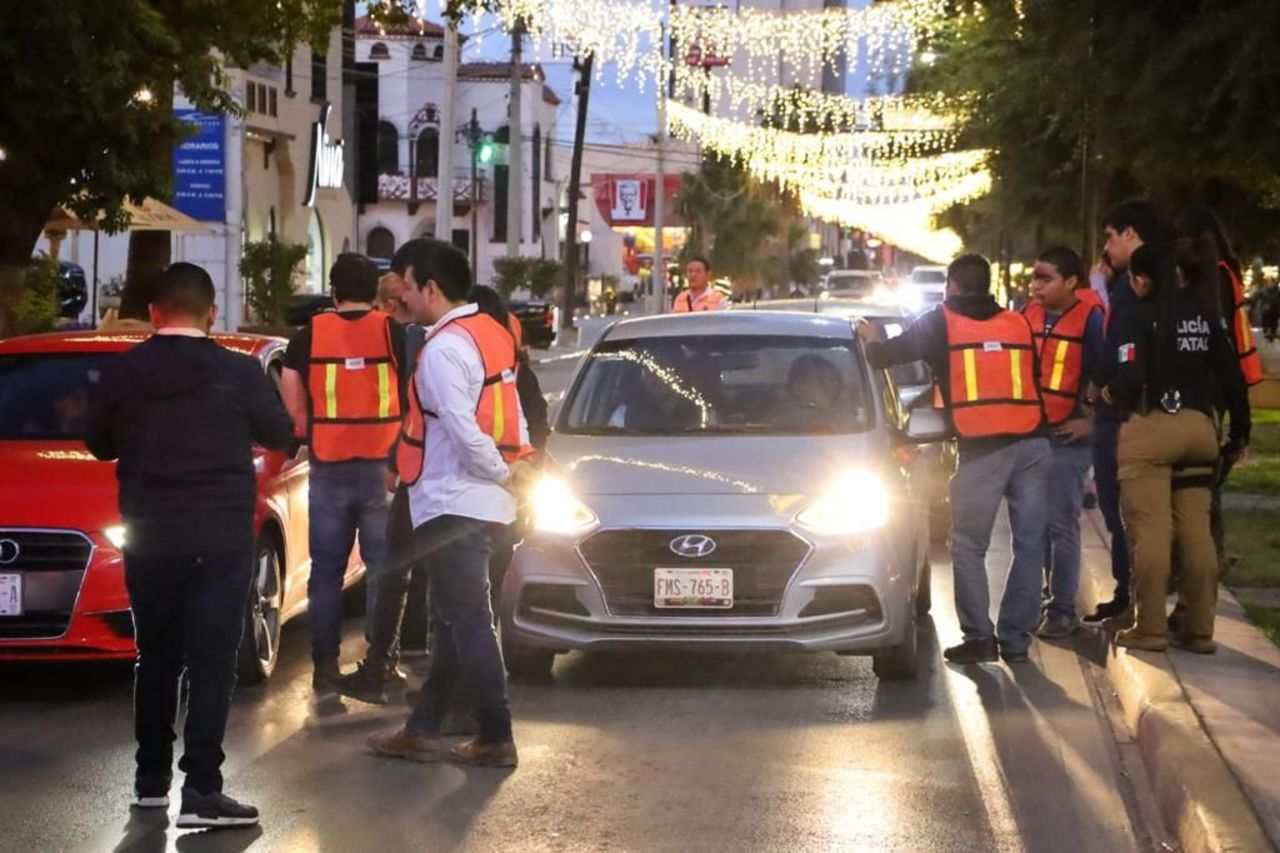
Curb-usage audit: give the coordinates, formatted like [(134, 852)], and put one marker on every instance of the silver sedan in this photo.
[(726, 481)]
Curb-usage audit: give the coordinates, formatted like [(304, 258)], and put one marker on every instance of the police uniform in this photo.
[(1173, 363)]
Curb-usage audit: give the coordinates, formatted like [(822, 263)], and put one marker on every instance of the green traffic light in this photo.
[(485, 152)]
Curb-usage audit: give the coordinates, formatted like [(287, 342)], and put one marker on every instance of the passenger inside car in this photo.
[(815, 392)]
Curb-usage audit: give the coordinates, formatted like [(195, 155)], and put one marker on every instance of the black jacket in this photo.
[(182, 415), (926, 340)]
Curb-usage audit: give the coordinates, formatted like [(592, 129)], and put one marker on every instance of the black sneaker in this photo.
[(1014, 657), (326, 677), (972, 651), (202, 811), (1107, 610), (366, 684)]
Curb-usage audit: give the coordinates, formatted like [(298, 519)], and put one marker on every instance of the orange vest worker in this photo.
[(1061, 351), (1246, 348), (352, 387), (992, 389), (498, 410), (710, 300)]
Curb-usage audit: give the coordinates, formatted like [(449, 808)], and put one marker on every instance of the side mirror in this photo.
[(926, 426)]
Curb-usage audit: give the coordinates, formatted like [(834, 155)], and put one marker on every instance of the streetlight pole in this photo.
[(473, 136), (575, 187)]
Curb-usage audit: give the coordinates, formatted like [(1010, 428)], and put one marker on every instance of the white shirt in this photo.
[(463, 471)]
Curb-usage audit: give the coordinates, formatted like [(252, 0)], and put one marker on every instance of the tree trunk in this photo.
[(20, 226)]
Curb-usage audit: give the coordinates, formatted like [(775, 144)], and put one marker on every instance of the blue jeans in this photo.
[(465, 658), (1106, 440), (1019, 475), (1066, 498), (346, 499)]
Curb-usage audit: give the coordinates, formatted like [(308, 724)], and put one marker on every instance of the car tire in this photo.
[(900, 662), (924, 592), (260, 643)]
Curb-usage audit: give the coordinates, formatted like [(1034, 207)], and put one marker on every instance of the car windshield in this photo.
[(758, 384), (904, 375), (46, 397)]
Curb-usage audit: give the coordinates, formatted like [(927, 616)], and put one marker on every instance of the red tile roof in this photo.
[(413, 28)]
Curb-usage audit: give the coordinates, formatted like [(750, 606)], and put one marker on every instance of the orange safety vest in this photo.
[(992, 389), (1061, 351), (353, 389), (1246, 348), (713, 300), (497, 410)]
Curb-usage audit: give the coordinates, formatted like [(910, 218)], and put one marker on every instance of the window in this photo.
[(379, 51), (380, 243), (535, 198), (427, 160), (388, 149), (273, 104), (251, 97), (319, 76), (420, 52), (439, 53), (499, 204), (548, 170), (757, 384), (46, 397), (288, 77)]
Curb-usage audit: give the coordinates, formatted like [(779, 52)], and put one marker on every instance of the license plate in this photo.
[(10, 595), (688, 588)]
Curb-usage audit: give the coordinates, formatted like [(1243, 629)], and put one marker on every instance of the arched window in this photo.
[(428, 153), (388, 149), (379, 51), (420, 52), (439, 53), (316, 255), (380, 243)]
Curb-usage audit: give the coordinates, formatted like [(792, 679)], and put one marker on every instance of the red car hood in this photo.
[(56, 484)]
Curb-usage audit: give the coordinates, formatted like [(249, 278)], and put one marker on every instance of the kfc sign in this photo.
[(628, 199)]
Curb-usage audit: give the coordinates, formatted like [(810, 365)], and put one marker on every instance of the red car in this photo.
[(62, 591)]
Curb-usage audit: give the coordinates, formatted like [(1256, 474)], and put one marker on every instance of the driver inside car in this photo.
[(814, 391)]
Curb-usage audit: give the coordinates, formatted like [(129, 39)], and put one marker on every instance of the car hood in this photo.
[(56, 484), (711, 465)]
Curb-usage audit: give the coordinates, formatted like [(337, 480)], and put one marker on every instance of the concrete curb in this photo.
[(1199, 796)]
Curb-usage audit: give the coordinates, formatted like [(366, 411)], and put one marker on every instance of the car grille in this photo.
[(52, 564), (763, 562)]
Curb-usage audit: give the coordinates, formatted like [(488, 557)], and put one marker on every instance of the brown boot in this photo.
[(485, 754), (1132, 639), (402, 744), (1199, 645)]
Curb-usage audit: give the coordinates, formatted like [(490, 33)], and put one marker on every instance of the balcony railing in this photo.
[(400, 188)]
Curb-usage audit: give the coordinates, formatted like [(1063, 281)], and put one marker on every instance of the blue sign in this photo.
[(200, 168)]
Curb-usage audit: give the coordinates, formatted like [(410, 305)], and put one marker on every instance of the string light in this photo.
[(908, 227)]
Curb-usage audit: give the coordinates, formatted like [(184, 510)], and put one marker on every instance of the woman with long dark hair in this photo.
[(1175, 364)]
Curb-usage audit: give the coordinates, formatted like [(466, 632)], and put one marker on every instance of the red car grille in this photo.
[(52, 564)]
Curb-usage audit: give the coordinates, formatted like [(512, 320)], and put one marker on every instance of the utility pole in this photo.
[(515, 147), (448, 129), (583, 67), (473, 136)]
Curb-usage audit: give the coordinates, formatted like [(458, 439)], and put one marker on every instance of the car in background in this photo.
[(725, 481), (73, 290), (926, 289), (539, 320), (303, 306), (62, 591), (852, 284)]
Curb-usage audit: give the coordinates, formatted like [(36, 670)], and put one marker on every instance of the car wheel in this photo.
[(924, 592), (899, 663), (260, 645)]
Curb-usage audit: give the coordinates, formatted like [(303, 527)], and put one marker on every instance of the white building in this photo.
[(410, 76)]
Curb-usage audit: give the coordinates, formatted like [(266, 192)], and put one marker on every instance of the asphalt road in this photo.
[(621, 753)]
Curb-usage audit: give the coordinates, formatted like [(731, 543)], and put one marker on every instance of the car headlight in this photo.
[(858, 503), (911, 298), (116, 535), (556, 510)]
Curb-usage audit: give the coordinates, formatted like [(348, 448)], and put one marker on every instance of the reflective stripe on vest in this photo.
[(497, 408), (992, 388), (355, 409), (1061, 351), (1246, 347)]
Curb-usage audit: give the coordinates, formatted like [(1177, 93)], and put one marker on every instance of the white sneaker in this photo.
[(141, 802)]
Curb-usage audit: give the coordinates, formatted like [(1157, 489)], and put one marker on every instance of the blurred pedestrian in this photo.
[(700, 295), (462, 453), (1270, 299), (985, 362), (1126, 226), (1170, 358), (1069, 340), (181, 415), (341, 384)]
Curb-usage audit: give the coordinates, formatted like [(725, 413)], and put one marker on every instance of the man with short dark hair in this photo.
[(700, 296), (984, 361), (181, 415), (341, 383), (462, 452)]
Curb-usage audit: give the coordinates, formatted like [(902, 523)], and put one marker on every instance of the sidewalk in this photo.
[(1208, 725)]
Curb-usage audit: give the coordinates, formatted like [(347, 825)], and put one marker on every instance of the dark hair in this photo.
[(706, 265), (1199, 220), (1138, 214), (1193, 261), (1065, 261), (353, 278), (184, 290), (441, 262), (490, 302), (971, 274), (136, 296)]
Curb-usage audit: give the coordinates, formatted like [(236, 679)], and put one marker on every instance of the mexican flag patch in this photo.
[(1128, 352)]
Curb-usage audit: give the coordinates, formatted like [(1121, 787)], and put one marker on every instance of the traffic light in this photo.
[(485, 150)]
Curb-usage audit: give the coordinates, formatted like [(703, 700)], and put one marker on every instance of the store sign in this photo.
[(199, 167), (328, 159), (628, 199)]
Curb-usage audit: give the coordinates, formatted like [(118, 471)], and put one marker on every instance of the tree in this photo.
[(85, 111), (795, 262), (732, 213), (268, 267), (1085, 103), (537, 275)]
